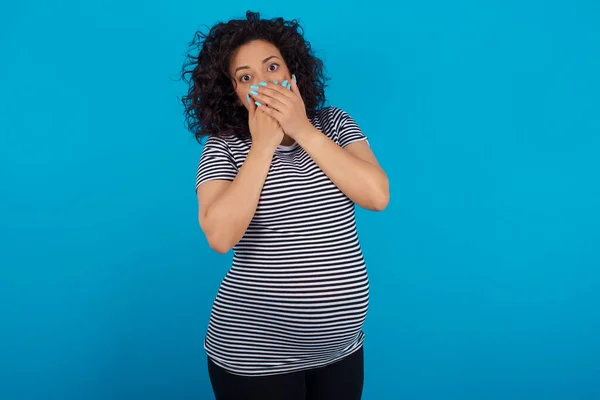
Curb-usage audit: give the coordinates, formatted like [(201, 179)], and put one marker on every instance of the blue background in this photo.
[(484, 268)]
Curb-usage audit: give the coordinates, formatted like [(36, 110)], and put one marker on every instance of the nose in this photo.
[(259, 77)]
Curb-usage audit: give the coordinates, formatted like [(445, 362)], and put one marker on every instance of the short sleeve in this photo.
[(216, 162), (348, 130)]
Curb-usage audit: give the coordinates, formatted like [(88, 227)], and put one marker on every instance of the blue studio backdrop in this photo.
[(485, 268)]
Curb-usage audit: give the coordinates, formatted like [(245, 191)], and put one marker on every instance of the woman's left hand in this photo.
[(283, 104)]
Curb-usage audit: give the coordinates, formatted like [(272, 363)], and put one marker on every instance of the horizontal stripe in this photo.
[(297, 293)]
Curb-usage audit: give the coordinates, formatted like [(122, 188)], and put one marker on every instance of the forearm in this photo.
[(229, 215), (364, 183)]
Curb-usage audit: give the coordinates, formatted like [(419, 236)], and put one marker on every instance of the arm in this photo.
[(226, 208), (227, 198), (353, 169), (350, 166)]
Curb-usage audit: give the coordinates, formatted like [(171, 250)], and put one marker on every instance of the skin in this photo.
[(256, 62), (226, 208)]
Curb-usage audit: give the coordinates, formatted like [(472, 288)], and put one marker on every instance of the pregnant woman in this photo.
[(277, 182)]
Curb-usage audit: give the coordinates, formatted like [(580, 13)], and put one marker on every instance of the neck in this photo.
[(287, 141)]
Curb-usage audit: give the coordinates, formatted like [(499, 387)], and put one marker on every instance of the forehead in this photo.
[(253, 53)]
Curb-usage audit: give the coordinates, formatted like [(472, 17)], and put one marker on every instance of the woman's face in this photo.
[(254, 62)]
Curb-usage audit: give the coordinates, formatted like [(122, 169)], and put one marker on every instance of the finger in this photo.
[(286, 84), (278, 91), (270, 100), (270, 111), (294, 86), (250, 106)]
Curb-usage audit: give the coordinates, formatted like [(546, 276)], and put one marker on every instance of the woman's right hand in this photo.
[(225, 208), (265, 130)]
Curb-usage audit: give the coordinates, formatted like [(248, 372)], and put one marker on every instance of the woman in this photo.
[(277, 182)]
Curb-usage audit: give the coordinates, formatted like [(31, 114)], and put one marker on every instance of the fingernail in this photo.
[(294, 78), (284, 83), (248, 98), (289, 86), (257, 103), (254, 87), (276, 82), (262, 83), (252, 92)]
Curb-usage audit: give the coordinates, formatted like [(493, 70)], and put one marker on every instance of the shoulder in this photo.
[(218, 141), (214, 142), (330, 120), (331, 114), (333, 119), (337, 124), (229, 144), (217, 162)]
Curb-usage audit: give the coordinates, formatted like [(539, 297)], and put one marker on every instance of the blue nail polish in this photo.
[(289, 86), (252, 92), (257, 103), (254, 87), (248, 98), (294, 78), (262, 83), (276, 82), (284, 83)]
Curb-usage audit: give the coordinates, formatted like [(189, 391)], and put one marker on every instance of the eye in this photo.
[(273, 67), (245, 78)]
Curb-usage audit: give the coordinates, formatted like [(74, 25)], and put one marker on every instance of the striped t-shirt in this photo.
[(297, 293)]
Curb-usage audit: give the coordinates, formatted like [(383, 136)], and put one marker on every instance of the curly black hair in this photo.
[(211, 107)]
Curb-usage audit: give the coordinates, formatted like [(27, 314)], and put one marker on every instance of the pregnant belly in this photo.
[(317, 307)]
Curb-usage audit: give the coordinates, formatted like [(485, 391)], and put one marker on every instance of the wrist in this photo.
[(306, 135), (262, 152)]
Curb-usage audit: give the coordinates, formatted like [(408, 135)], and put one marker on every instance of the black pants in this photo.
[(342, 380)]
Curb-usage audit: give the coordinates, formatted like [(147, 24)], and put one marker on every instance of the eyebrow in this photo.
[(247, 67)]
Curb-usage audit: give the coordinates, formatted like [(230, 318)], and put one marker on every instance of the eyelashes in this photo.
[(270, 69)]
